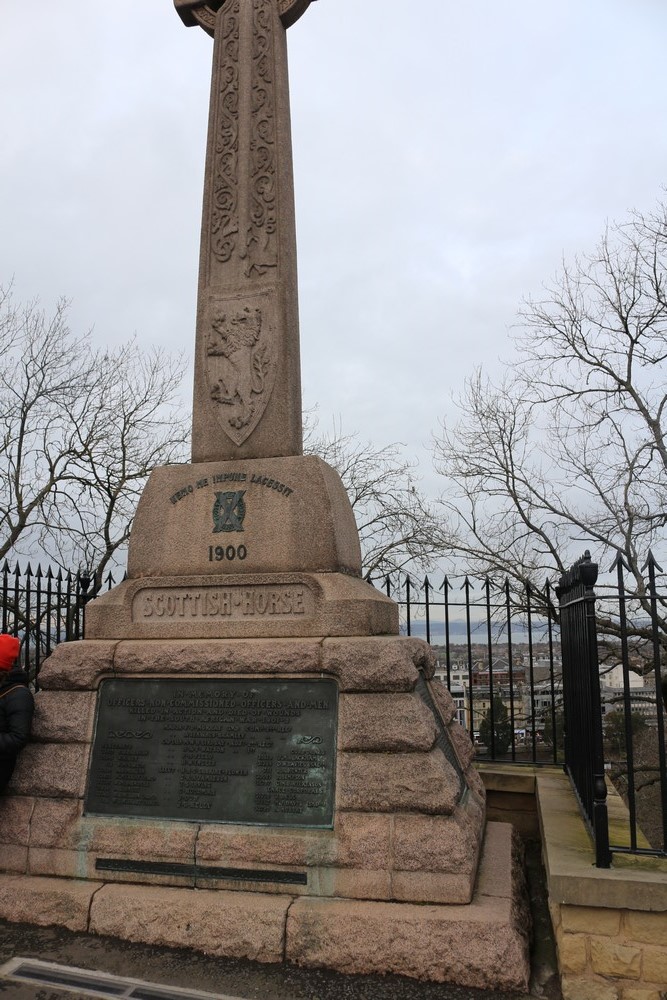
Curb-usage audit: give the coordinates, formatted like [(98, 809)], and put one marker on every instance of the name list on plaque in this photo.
[(220, 751)]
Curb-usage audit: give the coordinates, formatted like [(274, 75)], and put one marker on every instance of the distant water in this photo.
[(458, 633)]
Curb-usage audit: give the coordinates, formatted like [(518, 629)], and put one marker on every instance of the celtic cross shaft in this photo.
[(247, 389)]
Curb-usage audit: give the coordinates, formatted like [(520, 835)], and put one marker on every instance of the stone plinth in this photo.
[(246, 549), (409, 807), (483, 943), (251, 516), (249, 571)]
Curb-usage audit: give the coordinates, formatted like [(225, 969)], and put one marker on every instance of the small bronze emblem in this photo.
[(229, 511)]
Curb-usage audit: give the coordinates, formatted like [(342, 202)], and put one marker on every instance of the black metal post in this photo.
[(584, 755), (661, 708), (619, 565), (427, 588)]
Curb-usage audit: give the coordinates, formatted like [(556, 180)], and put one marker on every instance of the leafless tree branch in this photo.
[(81, 429), (398, 526), (569, 449)]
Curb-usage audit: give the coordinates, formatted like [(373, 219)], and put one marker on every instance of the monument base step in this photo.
[(482, 944)]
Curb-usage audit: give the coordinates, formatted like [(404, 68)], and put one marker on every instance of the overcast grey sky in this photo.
[(446, 156)]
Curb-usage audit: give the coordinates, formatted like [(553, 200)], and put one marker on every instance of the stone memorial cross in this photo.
[(247, 390)]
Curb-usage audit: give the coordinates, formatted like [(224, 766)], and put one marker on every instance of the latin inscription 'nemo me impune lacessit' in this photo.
[(222, 751)]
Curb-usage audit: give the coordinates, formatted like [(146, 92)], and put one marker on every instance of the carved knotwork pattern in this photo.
[(284, 6), (261, 251), (224, 215), (205, 17), (258, 248)]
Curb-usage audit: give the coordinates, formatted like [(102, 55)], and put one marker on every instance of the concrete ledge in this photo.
[(510, 796), (631, 883), (610, 924), (499, 777)]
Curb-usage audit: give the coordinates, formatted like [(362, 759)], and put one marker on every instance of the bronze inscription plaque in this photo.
[(219, 751)]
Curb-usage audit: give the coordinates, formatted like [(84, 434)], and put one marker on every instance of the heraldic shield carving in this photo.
[(240, 363)]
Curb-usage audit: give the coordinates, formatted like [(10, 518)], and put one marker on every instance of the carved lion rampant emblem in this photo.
[(240, 367)]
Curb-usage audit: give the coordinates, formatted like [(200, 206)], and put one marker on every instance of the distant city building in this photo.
[(641, 693), (612, 677)]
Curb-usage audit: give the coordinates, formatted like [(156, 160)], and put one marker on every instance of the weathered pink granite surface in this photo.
[(482, 944), (398, 806)]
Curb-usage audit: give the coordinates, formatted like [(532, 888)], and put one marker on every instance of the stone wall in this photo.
[(510, 797), (609, 954), (610, 924)]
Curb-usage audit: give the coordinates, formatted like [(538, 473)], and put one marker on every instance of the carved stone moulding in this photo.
[(291, 10), (198, 12)]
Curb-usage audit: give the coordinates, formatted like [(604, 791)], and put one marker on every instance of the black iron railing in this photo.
[(614, 646), (499, 655), (632, 635), (44, 608), (504, 650), (533, 682)]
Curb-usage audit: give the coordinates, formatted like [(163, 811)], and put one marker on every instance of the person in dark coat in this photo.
[(16, 707)]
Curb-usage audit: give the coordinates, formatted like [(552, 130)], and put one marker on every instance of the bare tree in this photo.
[(81, 429), (568, 450), (398, 526)]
